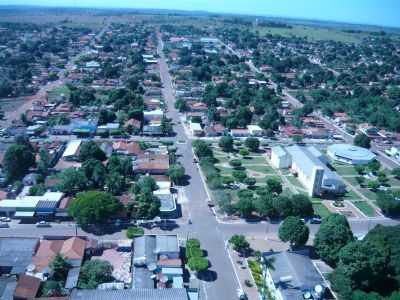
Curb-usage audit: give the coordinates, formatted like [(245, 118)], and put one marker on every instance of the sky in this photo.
[(375, 12)]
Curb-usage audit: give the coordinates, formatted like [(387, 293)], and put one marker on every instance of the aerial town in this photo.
[(153, 155)]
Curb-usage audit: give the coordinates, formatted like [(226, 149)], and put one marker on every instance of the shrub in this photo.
[(133, 232)]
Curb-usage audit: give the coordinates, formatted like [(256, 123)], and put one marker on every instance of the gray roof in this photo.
[(167, 243), (137, 294), (72, 278), (17, 253), (279, 151), (307, 158), (144, 250), (7, 287), (141, 278), (302, 272), (167, 202)]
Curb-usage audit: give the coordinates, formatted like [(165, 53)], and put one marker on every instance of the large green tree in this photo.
[(177, 174), (252, 143), (94, 207), (90, 150), (17, 161), (72, 181), (226, 143), (95, 272), (294, 231), (362, 140), (333, 234)]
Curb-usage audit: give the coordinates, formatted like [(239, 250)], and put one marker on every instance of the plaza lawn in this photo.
[(293, 180), (259, 160), (369, 194), (265, 169), (345, 170), (351, 196), (365, 208), (320, 209)]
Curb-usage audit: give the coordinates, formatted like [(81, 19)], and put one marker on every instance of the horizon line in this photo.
[(204, 11)]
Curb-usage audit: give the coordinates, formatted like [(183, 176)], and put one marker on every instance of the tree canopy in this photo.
[(294, 231)]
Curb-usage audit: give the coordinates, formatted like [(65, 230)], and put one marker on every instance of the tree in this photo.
[(95, 272), (52, 288), (243, 152), (252, 143), (166, 126), (294, 231), (333, 234), (227, 180), (37, 190), (373, 185), (134, 231), (198, 264), (250, 181), (274, 185), (72, 181), (235, 163), (245, 207), (94, 207), (177, 174), (44, 162), (17, 161), (263, 206), (202, 149), (59, 268), (239, 175), (90, 150), (361, 140), (226, 143), (95, 172), (389, 203), (239, 243), (374, 166), (301, 205), (147, 184), (362, 266), (115, 183)]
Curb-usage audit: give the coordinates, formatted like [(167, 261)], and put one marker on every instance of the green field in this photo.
[(365, 208), (314, 33), (320, 209)]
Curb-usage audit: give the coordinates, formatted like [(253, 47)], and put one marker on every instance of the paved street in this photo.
[(223, 283)]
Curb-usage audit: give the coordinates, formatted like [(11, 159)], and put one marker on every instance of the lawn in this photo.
[(345, 170), (365, 208), (293, 180), (369, 194), (351, 196), (262, 169), (320, 209), (259, 160), (314, 33)]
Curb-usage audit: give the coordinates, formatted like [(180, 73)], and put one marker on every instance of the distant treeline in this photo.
[(262, 23)]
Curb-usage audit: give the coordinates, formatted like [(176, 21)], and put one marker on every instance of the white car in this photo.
[(43, 224), (5, 219)]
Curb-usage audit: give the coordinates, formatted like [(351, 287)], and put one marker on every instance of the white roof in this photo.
[(25, 202), (195, 126), (153, 112), (254, 128), (72, 148)]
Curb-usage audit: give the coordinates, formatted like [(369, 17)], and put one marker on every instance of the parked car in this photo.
[(43, 224), (316, 220), (5, 219), (4, 225)]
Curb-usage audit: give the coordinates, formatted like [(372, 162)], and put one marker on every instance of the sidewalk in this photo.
[(243, 273)]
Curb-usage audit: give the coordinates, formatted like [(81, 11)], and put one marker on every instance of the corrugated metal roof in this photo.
[(167, 243), (137, 294)]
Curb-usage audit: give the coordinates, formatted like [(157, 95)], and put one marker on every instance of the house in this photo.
[(72, 150), (215, 130), (195, 129), (255, 130), (127, 148), (151, 163), (238, 133), (150, 115), (27, 287), (72, 249), (294, 277)]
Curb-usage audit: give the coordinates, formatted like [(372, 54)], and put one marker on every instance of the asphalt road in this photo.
[(222, 283)]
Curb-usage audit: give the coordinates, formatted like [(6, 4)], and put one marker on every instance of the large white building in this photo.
[(350, 154), (311, 168), (72, 150)]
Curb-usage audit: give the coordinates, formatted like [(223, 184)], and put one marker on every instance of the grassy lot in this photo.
[(314, 33), (320, 209), (61, 90), (365, 208), (262, 169), (369, 194), (351, 196), (293, 180), (254, 160), (345, 170)]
